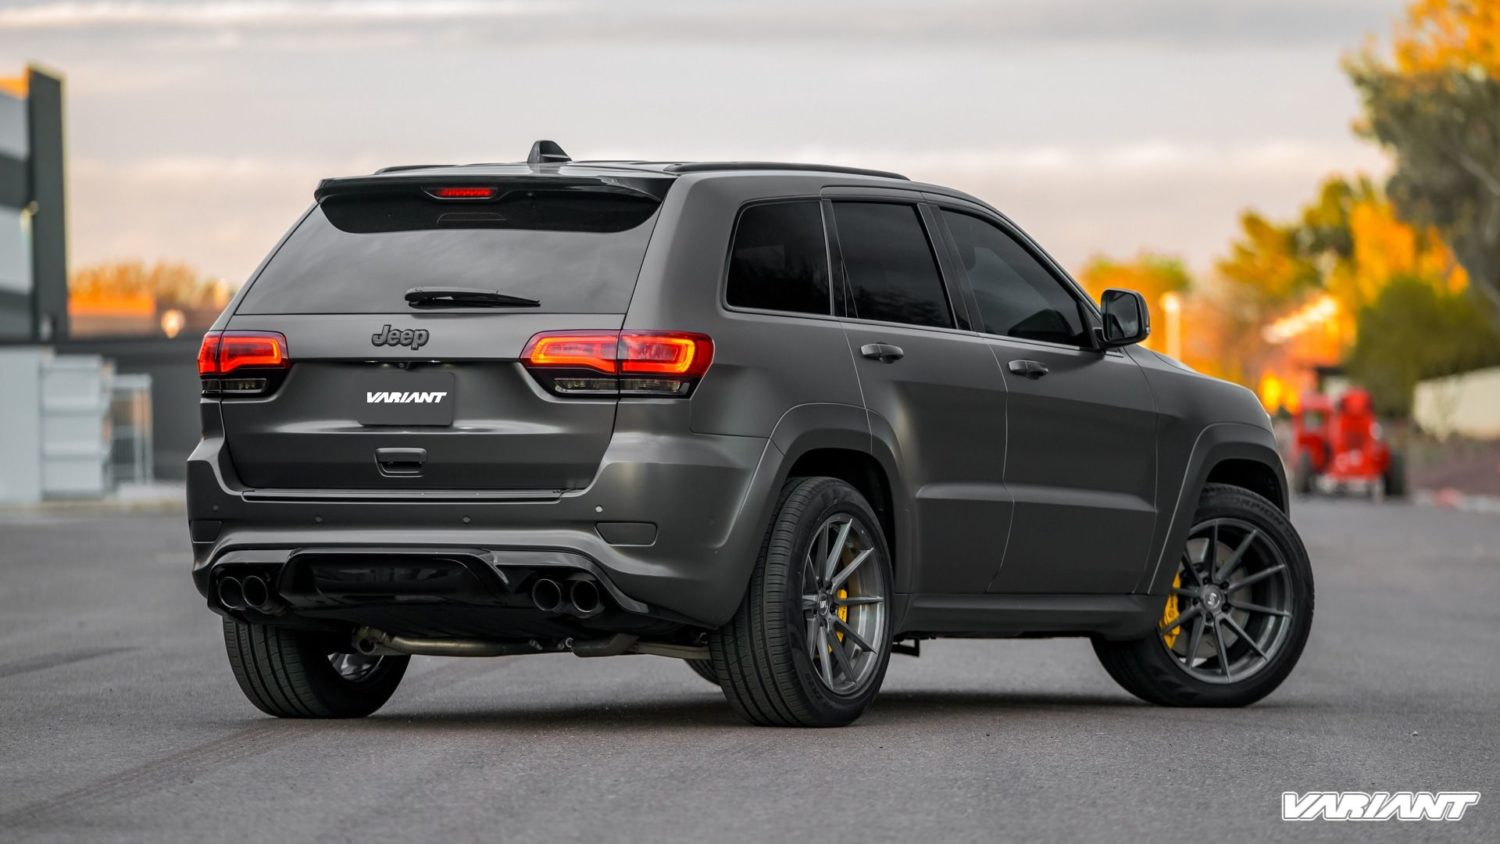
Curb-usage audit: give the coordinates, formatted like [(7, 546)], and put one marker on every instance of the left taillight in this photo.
[(254, 359), (662, 364)]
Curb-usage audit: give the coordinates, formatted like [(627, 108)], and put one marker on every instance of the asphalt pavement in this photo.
[(120, 721)]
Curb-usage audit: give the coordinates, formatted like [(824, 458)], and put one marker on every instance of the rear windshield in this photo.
[(576, 251)]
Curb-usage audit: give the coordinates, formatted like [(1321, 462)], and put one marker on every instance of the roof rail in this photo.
[(713, 166)]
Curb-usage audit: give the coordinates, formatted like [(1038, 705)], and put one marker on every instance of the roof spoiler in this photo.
[(401, 182)]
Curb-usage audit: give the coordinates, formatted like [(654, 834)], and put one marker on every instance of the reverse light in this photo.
[(636, 363)]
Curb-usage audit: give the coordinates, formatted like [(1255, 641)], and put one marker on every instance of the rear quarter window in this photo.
[(575, 251), (778, 259)]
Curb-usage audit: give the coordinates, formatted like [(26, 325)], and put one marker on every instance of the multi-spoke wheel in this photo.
[(843, 604), (810, 642), (293, 674), (1236, 616), (1231, 607)]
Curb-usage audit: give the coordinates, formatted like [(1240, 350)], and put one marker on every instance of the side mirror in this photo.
[(1126, 319)]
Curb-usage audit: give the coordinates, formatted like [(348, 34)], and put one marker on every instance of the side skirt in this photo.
[(1115, 617)]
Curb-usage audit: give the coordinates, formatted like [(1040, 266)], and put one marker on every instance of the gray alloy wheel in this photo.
[(1231, 606), (810, 642), (843, 605), (1236, 615)]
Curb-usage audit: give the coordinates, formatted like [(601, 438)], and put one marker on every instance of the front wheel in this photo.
[(1236, 616), (809, 644), (293, 674)]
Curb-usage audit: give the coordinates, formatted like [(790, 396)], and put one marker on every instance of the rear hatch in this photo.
[(382, 393)]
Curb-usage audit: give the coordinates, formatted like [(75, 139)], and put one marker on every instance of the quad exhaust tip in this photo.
[(257, 593), (584, 595), (547, 595), (579, 595), (232, 593)]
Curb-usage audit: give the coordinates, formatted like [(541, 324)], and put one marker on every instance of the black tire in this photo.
[(286, 673), (1395, 476), (1144, 668), (704, 668), (761, 657)]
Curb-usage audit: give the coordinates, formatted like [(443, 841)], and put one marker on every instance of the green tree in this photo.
[(1415, 331)]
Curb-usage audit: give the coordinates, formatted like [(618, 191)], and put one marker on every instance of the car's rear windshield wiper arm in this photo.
[(465, 297)]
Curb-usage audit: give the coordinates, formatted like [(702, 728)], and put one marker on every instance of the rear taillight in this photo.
[(630, 363), (254, 358)]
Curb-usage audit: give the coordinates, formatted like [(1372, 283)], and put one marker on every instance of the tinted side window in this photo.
[(1017, 296), (892, 272), (779, 260)]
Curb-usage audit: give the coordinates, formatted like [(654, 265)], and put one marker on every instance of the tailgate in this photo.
[(351, 415)]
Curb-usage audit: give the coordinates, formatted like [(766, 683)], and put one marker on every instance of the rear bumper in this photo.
[(669, 525)]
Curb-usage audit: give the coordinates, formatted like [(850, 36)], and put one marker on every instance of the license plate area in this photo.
[(398, 397)]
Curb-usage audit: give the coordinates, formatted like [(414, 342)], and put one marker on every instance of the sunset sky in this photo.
[(196, 131)]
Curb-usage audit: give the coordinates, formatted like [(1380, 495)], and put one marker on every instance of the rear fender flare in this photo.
[(803, 429)]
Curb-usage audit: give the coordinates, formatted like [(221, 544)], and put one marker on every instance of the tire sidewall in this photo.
[(829, 498)]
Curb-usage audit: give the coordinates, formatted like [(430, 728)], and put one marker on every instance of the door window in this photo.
[(779, 261), (1017, 295), (893, 276)]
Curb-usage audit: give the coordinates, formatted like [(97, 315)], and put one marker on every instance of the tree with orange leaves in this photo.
[(1436, 105)]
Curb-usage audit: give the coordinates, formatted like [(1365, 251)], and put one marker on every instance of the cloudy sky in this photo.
[(197, 130)]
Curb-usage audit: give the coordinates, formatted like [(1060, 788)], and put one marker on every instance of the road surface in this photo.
[(119, 720)]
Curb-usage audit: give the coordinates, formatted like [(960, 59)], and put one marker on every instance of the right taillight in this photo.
[(665, 364)]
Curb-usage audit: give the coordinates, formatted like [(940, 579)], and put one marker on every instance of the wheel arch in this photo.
[(1228, 452), (835, 440)]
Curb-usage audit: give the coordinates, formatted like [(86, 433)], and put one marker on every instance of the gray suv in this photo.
[(779, 421)]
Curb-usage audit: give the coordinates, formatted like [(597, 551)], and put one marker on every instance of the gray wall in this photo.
[(173, 367)]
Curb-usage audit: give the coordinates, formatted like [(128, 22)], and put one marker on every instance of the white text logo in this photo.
[(1376, 806), (396, 397)]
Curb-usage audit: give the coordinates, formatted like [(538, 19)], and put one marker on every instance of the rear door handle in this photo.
[(400, 461), (883, 352), (1032, 369)]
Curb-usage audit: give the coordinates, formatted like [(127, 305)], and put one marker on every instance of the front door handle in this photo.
[(1032, 369), (883, 352)]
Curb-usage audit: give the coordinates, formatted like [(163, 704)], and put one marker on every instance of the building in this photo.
[(67, 436), (33, 209)]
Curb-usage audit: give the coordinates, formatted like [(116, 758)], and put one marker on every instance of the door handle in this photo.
[(400, 461), (1032, 369), (883, 352)]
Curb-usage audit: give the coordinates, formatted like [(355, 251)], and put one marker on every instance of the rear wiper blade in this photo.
[(465, 297)]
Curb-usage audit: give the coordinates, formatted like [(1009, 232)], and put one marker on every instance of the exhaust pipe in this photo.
[(547, 595), (257, 595), (231, 593), (583, 594)]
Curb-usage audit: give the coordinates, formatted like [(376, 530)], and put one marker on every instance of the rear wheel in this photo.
[(1236, 617), (809, 644), (704, 668), (293, 674)]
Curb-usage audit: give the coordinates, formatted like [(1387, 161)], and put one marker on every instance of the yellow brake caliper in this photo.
[(1169, 612), (843, 613)]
